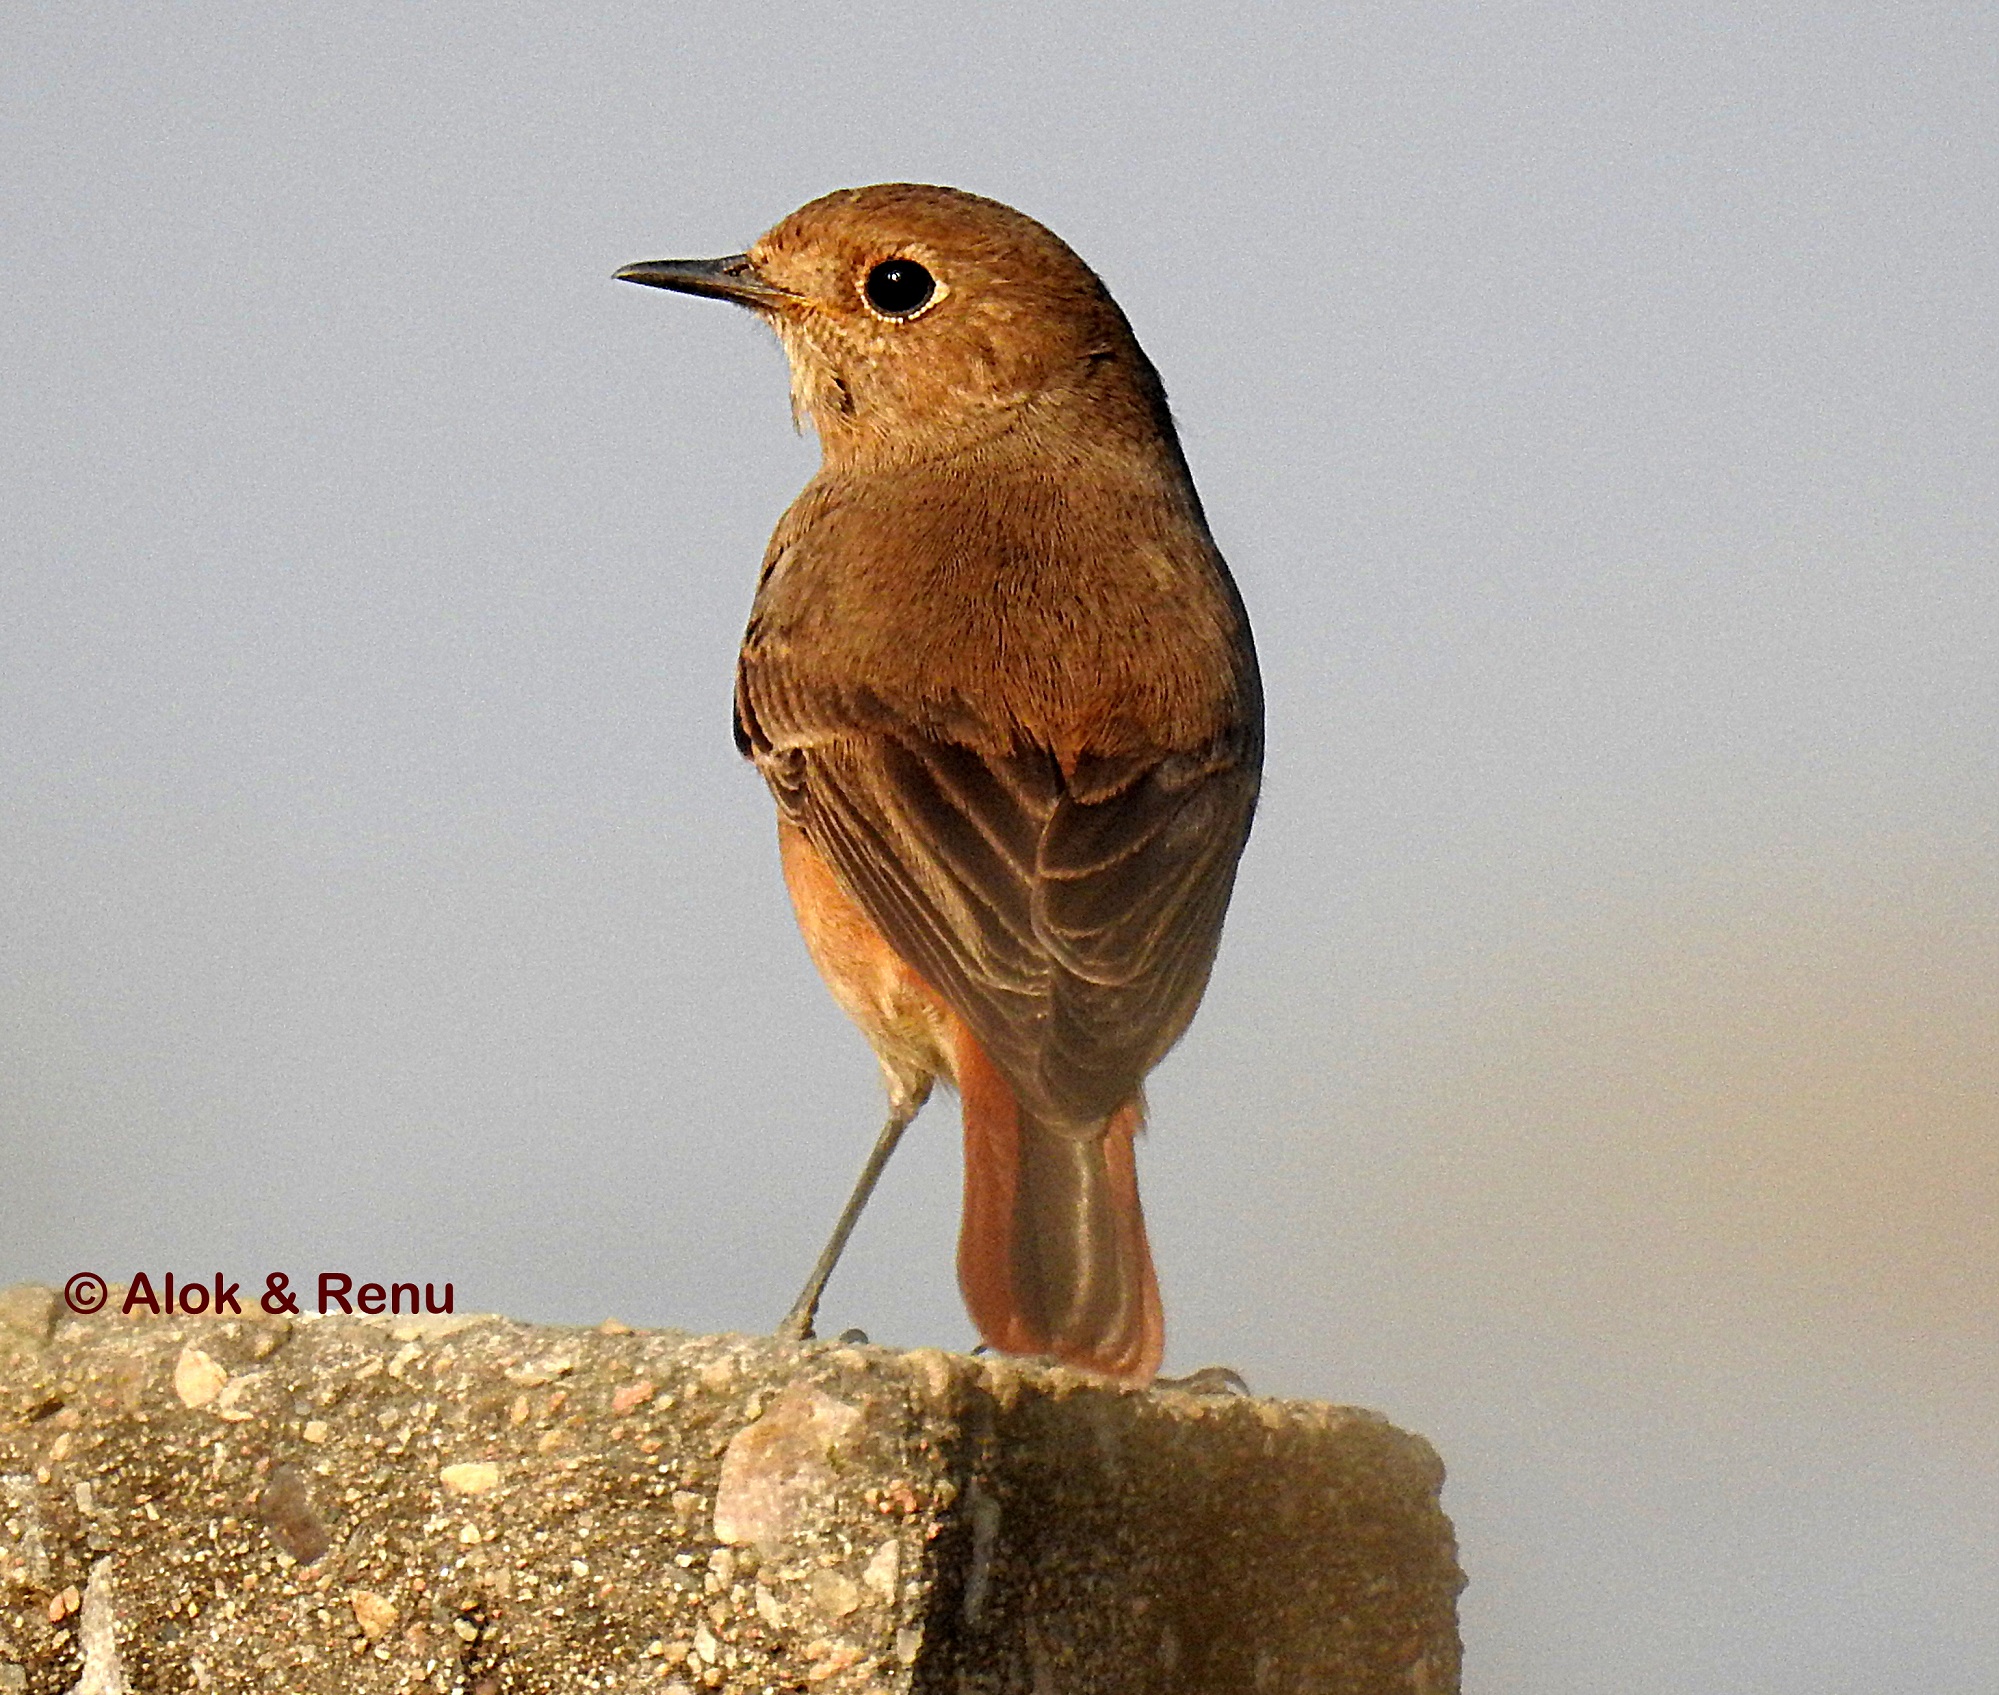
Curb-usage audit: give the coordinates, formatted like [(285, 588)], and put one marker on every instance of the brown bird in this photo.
[(1002, 688)]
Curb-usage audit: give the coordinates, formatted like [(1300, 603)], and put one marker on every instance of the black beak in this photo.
[(733, 278)]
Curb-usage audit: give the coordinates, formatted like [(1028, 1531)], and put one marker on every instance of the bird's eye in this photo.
[(899, 288)]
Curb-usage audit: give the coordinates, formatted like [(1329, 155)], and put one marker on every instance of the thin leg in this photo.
[(797, 1325)]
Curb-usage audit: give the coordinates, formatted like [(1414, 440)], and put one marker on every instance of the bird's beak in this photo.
[(733, 278)]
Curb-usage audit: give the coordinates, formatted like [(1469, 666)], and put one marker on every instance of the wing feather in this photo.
[(1067, 908), (1074, 935)]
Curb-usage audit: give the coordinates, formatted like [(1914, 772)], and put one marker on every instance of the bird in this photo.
[(1002, 689)]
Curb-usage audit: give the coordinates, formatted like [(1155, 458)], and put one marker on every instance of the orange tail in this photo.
[(1052, 1256)]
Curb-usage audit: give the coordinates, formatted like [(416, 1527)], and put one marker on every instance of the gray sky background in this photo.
[(1599, 408)]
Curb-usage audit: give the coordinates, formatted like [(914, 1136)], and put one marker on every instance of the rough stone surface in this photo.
[(476, 1506)]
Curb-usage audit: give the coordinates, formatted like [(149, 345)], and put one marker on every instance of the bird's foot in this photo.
[(796, 1327), (1209, 1380)]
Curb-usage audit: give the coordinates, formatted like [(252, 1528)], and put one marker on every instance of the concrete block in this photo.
[(467, 1504)]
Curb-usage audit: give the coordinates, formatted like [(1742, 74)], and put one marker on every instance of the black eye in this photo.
[(899, 288)]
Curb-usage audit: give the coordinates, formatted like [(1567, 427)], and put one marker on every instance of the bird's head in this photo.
[(923, 321)]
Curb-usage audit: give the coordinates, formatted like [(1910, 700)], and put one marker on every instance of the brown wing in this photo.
[(1071, 921)]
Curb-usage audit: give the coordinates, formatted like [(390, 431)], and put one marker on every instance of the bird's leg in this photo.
[(904, 1104)]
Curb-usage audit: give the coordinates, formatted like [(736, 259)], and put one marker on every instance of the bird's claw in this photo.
[(1209, 1380)]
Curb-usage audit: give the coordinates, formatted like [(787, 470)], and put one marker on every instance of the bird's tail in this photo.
[(1052, 1256)]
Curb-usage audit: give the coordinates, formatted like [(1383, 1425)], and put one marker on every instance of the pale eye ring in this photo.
[(899, 288)]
